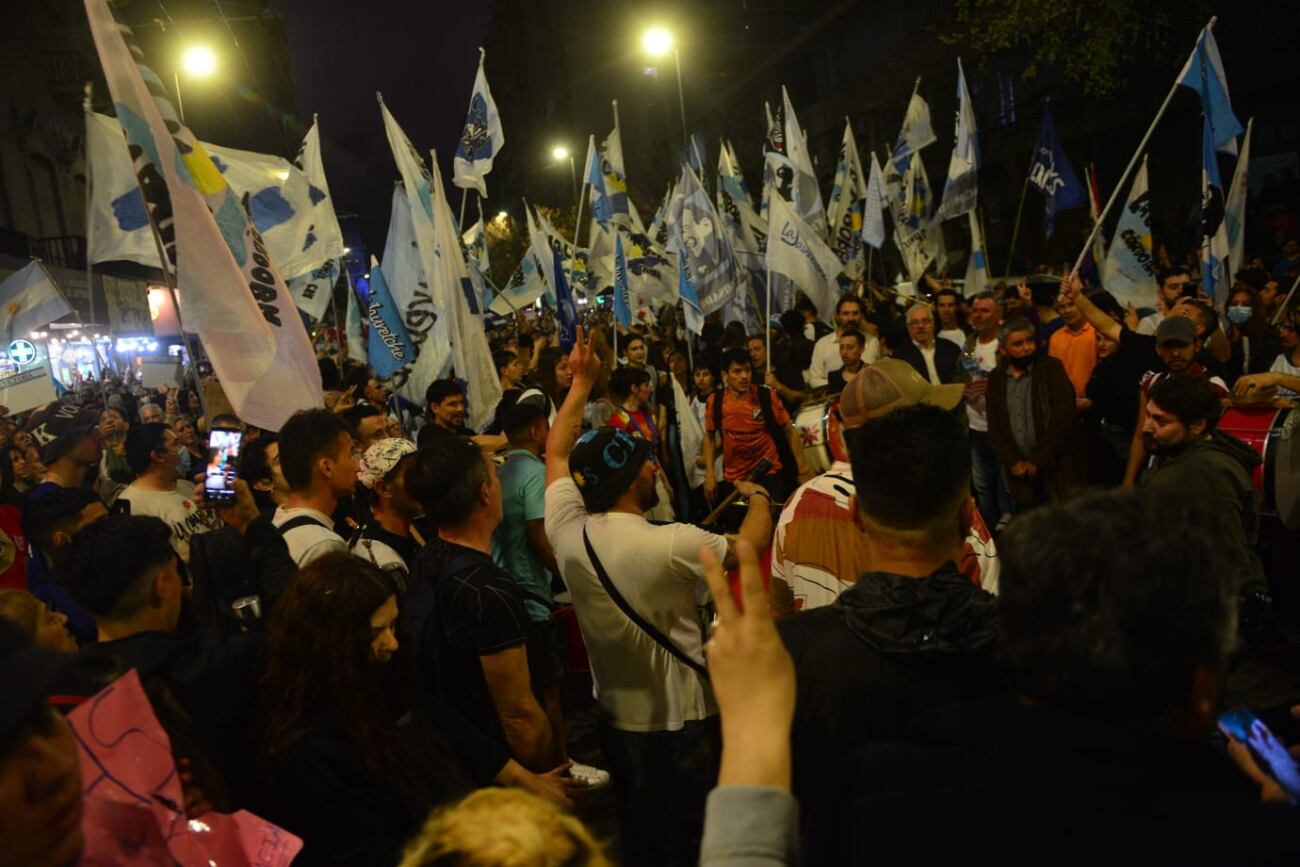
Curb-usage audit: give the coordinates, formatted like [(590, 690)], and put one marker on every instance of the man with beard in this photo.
[(1032, 419), (633, 586), (1177, 345), (1193, 459)]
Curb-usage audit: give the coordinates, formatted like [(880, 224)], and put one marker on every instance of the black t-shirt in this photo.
[(1116, 381), (477, 612), (433, 430)]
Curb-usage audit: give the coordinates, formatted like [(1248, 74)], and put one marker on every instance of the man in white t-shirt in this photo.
[(826, 351), (636, 603), (979, 357), (158, 490), (319, 461)]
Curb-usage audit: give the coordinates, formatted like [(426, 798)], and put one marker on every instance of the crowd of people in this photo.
[(954, 577)]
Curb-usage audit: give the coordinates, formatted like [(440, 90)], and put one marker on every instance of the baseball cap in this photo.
[(59, 426), (604, 463), (1175, 329), (889, 384), (381, 457)]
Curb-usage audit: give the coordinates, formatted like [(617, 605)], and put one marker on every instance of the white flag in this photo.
[(1129, 273), (959, 192), (312, 291), (873, 213), (688, 426), (847, 193), (917, 131), (410, 291), (118, 227), (438, 242), (623, 212), (807, 194), (231, 293), (30, 300), (323, 221), (796, 251), (977, 265), (1234, 209), (357, 349), (482, 138)]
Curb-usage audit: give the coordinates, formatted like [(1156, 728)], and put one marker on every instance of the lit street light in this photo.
[(560, 153), (657, 42), (198, 61)]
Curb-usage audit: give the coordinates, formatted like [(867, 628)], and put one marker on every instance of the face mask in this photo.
[(1020, 363), (1239, 314)]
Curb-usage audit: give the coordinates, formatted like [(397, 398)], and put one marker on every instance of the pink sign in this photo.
[(134, 813)]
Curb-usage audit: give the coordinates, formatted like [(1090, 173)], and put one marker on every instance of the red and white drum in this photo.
[(1273, 433), (819, 428)]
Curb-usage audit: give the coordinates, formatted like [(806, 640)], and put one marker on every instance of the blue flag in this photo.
[(1051, 175), (690, 297), (1214, 248), (622, 301), (566, 312), (1203, 73), (602, 211), (481, 138), (390, 347)]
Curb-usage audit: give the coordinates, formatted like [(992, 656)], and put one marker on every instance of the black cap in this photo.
[(58, 426), (1175, 329), (604, 463)]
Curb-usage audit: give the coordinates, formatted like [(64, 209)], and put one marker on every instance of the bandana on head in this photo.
[(380, 459)]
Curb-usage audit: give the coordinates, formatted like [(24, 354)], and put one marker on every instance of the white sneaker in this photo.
[(595, 778)]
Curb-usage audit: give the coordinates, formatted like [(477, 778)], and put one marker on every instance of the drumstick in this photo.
[(760, 469)]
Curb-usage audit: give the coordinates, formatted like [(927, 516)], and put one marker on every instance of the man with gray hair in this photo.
[(936, 361), (151, 413)]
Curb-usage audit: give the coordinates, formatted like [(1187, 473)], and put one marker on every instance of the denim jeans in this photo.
[(661, 780), (991, 492)]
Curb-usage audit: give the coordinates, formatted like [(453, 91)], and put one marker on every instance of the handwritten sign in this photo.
[(26, 390), (159, 370), (133, 797)]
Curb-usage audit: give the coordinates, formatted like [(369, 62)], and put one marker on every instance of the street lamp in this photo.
[(198, 61), (560, 153), (657, 42)]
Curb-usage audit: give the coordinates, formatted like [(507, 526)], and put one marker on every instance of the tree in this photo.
[(1091, 41)]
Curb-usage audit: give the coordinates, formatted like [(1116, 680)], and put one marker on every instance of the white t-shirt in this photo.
[(656, 568), (956, 335), (308, 541), (977, 407), (1149, 323), (826, 357), (1282, 364), (177, 508)]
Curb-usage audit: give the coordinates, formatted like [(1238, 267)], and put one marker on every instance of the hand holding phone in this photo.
[(223, 459), (1263, 751)]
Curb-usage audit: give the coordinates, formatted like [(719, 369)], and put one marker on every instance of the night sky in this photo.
[(421, 54)]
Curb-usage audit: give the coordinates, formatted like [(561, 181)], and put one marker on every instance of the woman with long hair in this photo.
[(348, 759), (553, 375)]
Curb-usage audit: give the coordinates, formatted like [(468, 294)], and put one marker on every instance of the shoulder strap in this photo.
[(788, 465), (644, 625), (300, 521), (717, 412)]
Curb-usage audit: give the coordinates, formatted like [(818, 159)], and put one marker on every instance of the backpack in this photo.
[(789, 471)]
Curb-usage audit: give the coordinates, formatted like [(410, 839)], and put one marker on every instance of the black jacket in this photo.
[(887, 649), (946, 356), (1002, 784)]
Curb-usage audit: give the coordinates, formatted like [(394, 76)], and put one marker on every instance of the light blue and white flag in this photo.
[(438, 241), (658, 231), (234, 296), (539, 248), (481, 139), (806, 192), (30, 300), (797, 252), (410, 290), (118, 226), (1234, 211), (389, 347), (703, 239), (357, 348), (615, 179), (622, 297), (475, 240), (959, 191), (1214, 229), (1204, 74), (525, 286), (1129, 272), (691, 311), (917, 131), (323, 238), (312, 291), (602, 208), (977, 265), (847, 195), (747, 230), (873, 211)]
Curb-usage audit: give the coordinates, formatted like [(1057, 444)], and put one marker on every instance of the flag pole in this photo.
[(768, 312), (460, 221), (90, 271), (1277, 317), (1128, 170), (577, 220)]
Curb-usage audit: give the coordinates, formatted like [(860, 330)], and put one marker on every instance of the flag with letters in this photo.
[(622, 298), (232, 294), (796, 251), (1051, 174), (847, 197), (389, 347), (410, 291), (481, 139), (1129, 272)]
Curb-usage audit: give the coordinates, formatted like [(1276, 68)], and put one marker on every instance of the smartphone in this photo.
[(223, 458), (1237, 723)]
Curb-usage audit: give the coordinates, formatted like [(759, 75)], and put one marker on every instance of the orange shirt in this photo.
[(745, 440), (1077, 353)]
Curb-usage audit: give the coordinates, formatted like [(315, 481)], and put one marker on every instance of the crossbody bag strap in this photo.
[(644, 625)]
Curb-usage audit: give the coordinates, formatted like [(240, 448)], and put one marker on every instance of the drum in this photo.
[(820, 433), (1273, 433)]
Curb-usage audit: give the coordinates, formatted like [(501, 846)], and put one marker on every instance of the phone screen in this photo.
[(223, 458), (1237, 722)]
